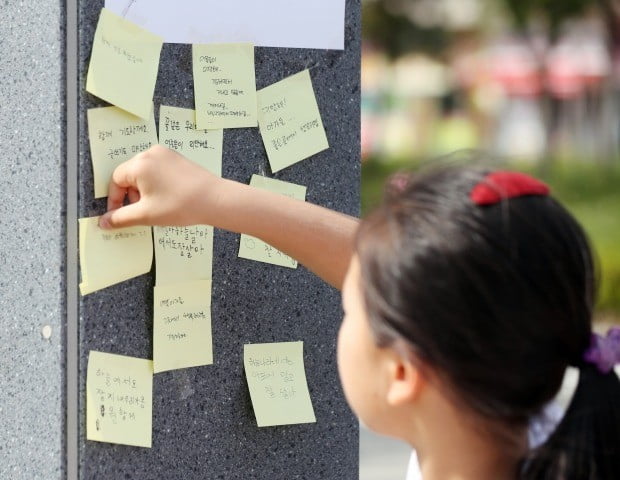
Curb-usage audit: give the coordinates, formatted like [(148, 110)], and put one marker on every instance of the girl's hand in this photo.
[(166, 189), (163, 188)]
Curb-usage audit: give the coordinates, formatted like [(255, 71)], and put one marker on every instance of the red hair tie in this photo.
[(501, 185)]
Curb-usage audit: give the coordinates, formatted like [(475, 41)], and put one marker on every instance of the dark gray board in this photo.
[(203, 422)]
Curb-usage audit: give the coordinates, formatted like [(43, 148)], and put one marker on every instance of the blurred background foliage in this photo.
[(533, 83)]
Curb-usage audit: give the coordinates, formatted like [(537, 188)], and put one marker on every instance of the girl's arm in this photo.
[(164, 188)]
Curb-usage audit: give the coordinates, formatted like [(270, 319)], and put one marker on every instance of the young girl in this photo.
[(467, 294)]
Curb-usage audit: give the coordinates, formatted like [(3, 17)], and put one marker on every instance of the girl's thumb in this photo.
[(126, 216)]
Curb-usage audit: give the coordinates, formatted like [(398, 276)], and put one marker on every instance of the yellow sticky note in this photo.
[(290, 122), (116, 136), (119, 399), (183, 254), (123, 64), (277, 382), (182, 326), (186, 253), (255, 249), (177, 131), (224, 85), (112, 256)]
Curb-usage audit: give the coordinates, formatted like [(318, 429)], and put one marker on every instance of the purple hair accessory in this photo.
[(604, 352)]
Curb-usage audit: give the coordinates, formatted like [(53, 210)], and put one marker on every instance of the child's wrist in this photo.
[(212, 210)]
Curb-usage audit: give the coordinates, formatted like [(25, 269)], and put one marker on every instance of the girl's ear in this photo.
[(406, 381)]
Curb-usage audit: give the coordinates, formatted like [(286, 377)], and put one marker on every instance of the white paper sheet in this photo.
[(266, 23)]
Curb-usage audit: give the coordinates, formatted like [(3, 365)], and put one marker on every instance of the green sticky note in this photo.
[(108, 257), (123, 64), (253, 248), (277, 382), (116, 136), (119, 399), (290, 122), (183, 253), (182, 326), (177, 131), (224, 85)]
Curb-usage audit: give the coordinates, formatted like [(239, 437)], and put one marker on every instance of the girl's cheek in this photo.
[(339, 342), (340, 349)]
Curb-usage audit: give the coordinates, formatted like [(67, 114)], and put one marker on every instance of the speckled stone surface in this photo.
[(203, 423), (31, 240)]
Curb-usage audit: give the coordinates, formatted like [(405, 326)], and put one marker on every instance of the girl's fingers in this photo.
[(126, 216), (116, 196), (133, 195), (122, 183)]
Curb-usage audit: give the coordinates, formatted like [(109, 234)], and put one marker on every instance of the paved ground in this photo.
[(382, 458)]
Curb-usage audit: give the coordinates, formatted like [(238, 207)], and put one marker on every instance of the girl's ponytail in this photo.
[(586, 443)]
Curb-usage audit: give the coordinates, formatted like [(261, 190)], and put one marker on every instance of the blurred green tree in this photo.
[(389, 24), (397, 34), (554, 12)]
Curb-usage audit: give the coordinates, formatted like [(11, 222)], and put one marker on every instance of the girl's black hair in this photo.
[(498, 300)]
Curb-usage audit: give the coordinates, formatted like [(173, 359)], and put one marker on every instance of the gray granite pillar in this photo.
[(32, 245)]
